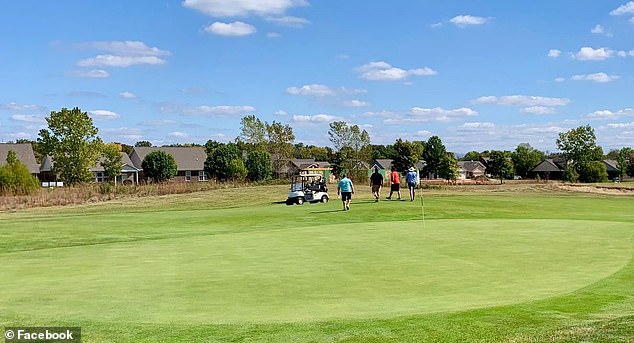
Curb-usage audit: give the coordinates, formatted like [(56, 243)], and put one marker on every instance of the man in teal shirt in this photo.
[(346, 189)]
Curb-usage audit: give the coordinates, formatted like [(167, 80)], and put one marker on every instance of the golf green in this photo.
[(314, 273)]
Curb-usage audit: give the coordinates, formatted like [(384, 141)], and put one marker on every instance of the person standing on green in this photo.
[(346, 189)]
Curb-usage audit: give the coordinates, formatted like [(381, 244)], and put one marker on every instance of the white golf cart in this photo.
[(307, 187)]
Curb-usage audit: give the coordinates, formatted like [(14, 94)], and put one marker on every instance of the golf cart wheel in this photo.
[(324, 198), (300, 200), (289, 202)]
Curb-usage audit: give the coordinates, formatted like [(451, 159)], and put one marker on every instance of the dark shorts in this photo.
[(376, 188), (395, 187), (411, 185), (346, 196)]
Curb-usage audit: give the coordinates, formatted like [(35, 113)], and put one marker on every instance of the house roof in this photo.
[(471, 166), (125, 161), (299, 162), (24, 153), (315, 164), (611, 165), (383, 163), (187, 158), (548, 165), (48, 162)]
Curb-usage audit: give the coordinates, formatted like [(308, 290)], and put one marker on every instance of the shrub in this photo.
[(259, 166), (15, 178), (159, 166)]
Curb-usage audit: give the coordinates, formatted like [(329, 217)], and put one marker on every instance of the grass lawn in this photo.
[(508, 264)]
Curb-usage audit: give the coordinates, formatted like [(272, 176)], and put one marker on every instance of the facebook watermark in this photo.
[(42, 334)]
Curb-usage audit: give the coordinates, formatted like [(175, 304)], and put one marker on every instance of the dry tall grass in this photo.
[(90, 193)]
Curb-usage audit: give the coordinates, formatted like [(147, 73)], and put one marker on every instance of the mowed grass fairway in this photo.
[(509, 264)]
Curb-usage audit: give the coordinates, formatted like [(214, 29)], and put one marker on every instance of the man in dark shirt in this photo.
[(376, 182)]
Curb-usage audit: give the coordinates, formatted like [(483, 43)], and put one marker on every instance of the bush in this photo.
[(259, 166), (237, 171), (15, 178), (594, 172), (159, 166)]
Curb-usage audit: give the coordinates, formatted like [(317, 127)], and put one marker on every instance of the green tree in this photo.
[(218, 164), (570, 174), (15, 178), (525, 158), (143, 144), (237, 171), (448, 168), (112, 161), (500, 165), (623, 158), (434, 155), (580, 149), (382, 151), (353, 146), (280, 142), (252, 133), (259, 165), (595, 171), (159, 166), (71, 139), (407, 154), (471, 156)]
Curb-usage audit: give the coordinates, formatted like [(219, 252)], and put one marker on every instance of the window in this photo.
[(188, 175), (202, 176), (101, 177)]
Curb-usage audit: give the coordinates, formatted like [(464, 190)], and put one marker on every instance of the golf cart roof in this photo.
[(308, 175)]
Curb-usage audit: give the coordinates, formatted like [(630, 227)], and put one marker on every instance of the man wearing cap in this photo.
[(412, 181)]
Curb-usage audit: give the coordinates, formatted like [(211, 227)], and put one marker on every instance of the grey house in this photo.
[(24, 153), (190, 161)]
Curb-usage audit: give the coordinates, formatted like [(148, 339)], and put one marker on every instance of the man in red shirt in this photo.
[(395, 184)]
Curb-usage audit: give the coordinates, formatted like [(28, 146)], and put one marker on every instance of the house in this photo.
[(612, 167), (550, 169), (24, 154), (471, 169), (190, 161), (384, 166), (296, 166), (129, 173)]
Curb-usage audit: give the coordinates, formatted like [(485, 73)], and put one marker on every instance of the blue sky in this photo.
[(478, 74)]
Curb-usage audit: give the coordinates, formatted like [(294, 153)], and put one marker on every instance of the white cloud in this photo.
[(631, 20), (241, 8), (273, 35), (598, 29), (159, 122), (382, 71), (318, 118), (311, 90), (218, 110), (554, 53), (560, 79), (21, 107), (119, 61), (127, 48), (607, 114), (437, 114), (539, 110), (356, 103), (590, 54), (127, 95), (178, 134), (621, 125), (523, 100), (123, 54), (466, 20), (435, 25), (478, 125), (103, 114), (94, 73), (29, 118), (596, 77), (20, 135), (628, 8), (289, 21), (281, 113), (236, 28)]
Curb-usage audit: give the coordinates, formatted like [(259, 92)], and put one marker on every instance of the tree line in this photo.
[(262, 149)]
